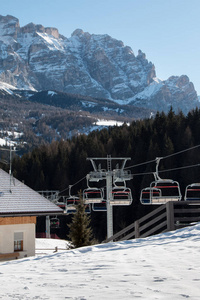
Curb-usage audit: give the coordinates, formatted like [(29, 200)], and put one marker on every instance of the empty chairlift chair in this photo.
[(61, 202), (192, 192), (93, 195), (54, 222), (99, 206), (161, 190), (169, 191), (121, 195), (71, 202), (148, 193)]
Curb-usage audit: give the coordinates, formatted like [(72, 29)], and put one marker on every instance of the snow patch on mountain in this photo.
[(149, 91), (39, 58), (102, 122), (52, 93), (88, 104), (8, 88), (52, 43)]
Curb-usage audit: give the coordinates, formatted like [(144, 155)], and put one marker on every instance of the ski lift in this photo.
[(51, 195), (147, 194), (119, 175), (163, 190), (71, 202), (61, 202), (92, 194), (169, 191), (121, 195), (99, 206), (192, 192), (54, 222), (71, 205), (71, 209), (96, 176)]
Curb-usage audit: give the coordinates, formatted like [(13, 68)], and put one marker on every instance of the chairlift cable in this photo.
[(138, 165), (150, 161), (72, 185), (180, 168), (163, 157), (168, 170), (167, 156)]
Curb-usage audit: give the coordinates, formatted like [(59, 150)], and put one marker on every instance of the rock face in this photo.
[(176, 92), (38, 58)]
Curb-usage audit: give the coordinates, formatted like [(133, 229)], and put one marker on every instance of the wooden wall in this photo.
[(17, 220)]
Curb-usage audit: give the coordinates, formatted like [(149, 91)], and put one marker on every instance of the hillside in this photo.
[(29, 119), (159, 267)]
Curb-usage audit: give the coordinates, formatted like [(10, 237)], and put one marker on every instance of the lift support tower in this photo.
[(111, 176)]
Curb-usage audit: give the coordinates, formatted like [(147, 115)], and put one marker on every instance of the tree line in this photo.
[(57, 165)]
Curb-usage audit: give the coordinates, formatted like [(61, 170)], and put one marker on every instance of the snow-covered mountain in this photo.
[(176, 91), (37, 58)]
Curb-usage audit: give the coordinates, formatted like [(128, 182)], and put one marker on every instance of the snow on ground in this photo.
[(48, 246), (101, 124), (4, 142), (165, 266), (108, 123)]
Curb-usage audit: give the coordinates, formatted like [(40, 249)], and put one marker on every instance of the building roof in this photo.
[(16, 199)]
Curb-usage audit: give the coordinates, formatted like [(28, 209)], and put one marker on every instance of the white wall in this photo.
[(7, 239)]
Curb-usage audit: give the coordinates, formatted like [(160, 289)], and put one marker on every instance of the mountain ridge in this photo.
[(34, 57)]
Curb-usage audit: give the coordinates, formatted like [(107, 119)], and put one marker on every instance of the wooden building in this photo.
[(19, 208)]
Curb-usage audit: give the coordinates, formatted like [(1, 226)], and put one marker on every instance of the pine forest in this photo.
[(55, 166)]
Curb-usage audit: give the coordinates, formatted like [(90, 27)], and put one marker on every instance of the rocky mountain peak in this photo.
[(9, 25), (52, 31), (78, 32), (141, 55), (97, 65), (32, 28), (183, 80)]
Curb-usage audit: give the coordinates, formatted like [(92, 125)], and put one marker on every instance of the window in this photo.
[(18, 241)]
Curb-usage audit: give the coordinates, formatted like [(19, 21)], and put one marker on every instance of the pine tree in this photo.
[(80, 232)]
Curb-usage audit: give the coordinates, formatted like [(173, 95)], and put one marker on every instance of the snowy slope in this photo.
[(7, 88), (101, 124), (165, 266)]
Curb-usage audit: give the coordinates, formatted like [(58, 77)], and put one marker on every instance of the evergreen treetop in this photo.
[(80, 231)]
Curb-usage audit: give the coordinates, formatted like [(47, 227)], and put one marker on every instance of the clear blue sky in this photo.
[(166, 30)]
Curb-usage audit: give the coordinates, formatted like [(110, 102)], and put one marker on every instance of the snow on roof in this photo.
[(16, 198)]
